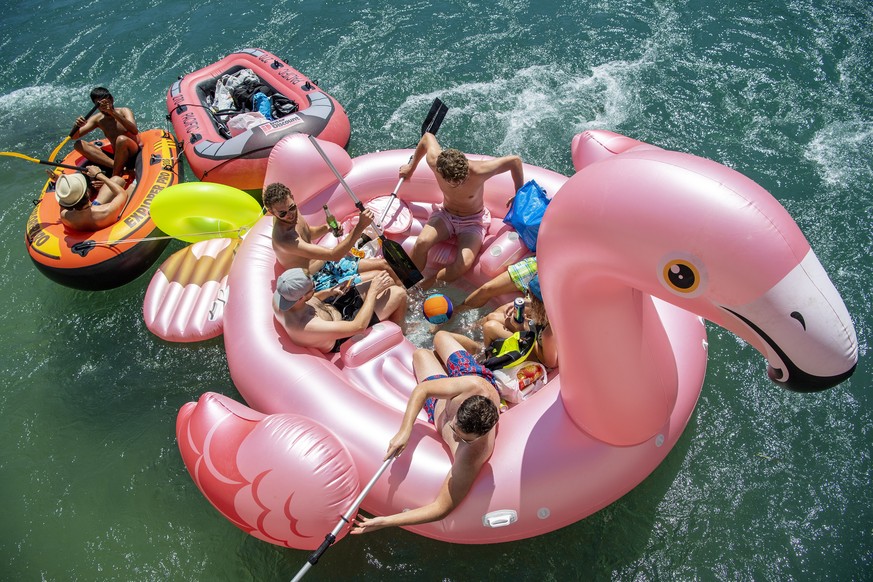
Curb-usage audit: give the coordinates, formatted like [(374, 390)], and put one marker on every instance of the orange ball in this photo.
[(437, 308)]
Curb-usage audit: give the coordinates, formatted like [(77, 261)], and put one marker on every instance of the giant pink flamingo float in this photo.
[(635, 250)]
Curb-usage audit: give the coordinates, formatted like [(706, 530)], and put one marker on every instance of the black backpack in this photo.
[(510, 351), (282, 106), (242, 94)]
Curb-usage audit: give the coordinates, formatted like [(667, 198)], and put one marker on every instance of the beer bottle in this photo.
[(334, 226)]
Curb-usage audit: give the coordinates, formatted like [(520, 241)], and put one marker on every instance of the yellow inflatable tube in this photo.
[(196, 211)]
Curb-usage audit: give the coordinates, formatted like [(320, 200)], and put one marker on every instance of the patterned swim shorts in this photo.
[(430, 403), (462, 363), (335, 272), (522, 272)]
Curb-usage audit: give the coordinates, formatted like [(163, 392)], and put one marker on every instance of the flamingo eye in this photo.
[(682, 276)]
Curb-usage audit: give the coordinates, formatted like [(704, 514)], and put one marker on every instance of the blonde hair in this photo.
[(452, 166)]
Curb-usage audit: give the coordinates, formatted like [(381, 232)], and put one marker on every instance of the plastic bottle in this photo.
[(335, 227)]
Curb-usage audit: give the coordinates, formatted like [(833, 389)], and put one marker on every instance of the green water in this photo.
[(764, 484)]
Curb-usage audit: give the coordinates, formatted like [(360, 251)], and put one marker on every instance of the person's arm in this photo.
[(429, 147), (316, 232), (319, 253), (455, 488), (511, 164), (122, 115), (84, 126), (441, 388), (321, 329), (499, 285), (337, 291)]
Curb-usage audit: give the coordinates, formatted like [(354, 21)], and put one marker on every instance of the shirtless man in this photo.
[(463, 407), (312, 323), (78, 211), (293, 236), (463, 213), (119, 127)]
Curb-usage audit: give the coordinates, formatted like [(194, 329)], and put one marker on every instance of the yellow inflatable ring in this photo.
[(196, 211)]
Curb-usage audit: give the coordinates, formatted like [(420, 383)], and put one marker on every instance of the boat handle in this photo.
[(500, 518)]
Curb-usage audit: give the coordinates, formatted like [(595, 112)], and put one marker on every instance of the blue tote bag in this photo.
[(526, 212)]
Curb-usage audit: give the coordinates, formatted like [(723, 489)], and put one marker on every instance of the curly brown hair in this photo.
[(275, 192), (477, 415), (452, 166)]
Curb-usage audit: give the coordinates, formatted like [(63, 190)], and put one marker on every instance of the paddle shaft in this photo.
[(398, 259), (330, 538), (57, 165), (431, 124), (36, 161), (358, 204)]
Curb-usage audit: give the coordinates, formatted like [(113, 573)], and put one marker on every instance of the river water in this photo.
[(763, 485)]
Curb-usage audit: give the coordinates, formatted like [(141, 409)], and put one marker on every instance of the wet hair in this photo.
[(100, 93), (275, 193), (477, 415), (452, 166)]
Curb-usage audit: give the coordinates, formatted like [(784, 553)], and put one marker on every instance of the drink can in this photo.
[(518, 313)]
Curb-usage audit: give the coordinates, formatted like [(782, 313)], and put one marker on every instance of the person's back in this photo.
[(311, 322), (79, 212)]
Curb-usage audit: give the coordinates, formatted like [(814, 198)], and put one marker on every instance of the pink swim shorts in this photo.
[(474, 223)]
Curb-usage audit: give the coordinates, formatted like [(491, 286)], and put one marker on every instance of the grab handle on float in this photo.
[(500, 518)]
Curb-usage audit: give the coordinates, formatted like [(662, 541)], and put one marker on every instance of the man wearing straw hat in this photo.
[(78, 211)]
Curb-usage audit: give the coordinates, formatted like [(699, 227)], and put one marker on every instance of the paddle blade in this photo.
[(434, 118), (36, 161), (57, 149), (438, 119), (400, 262), (21, 156)]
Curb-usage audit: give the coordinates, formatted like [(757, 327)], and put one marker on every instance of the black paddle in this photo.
[(397, 258), (87, 115), (431, 124), (434, 118), (72, 132)]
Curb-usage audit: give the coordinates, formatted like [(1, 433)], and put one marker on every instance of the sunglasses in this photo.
[(284, 213), (462, 439)]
